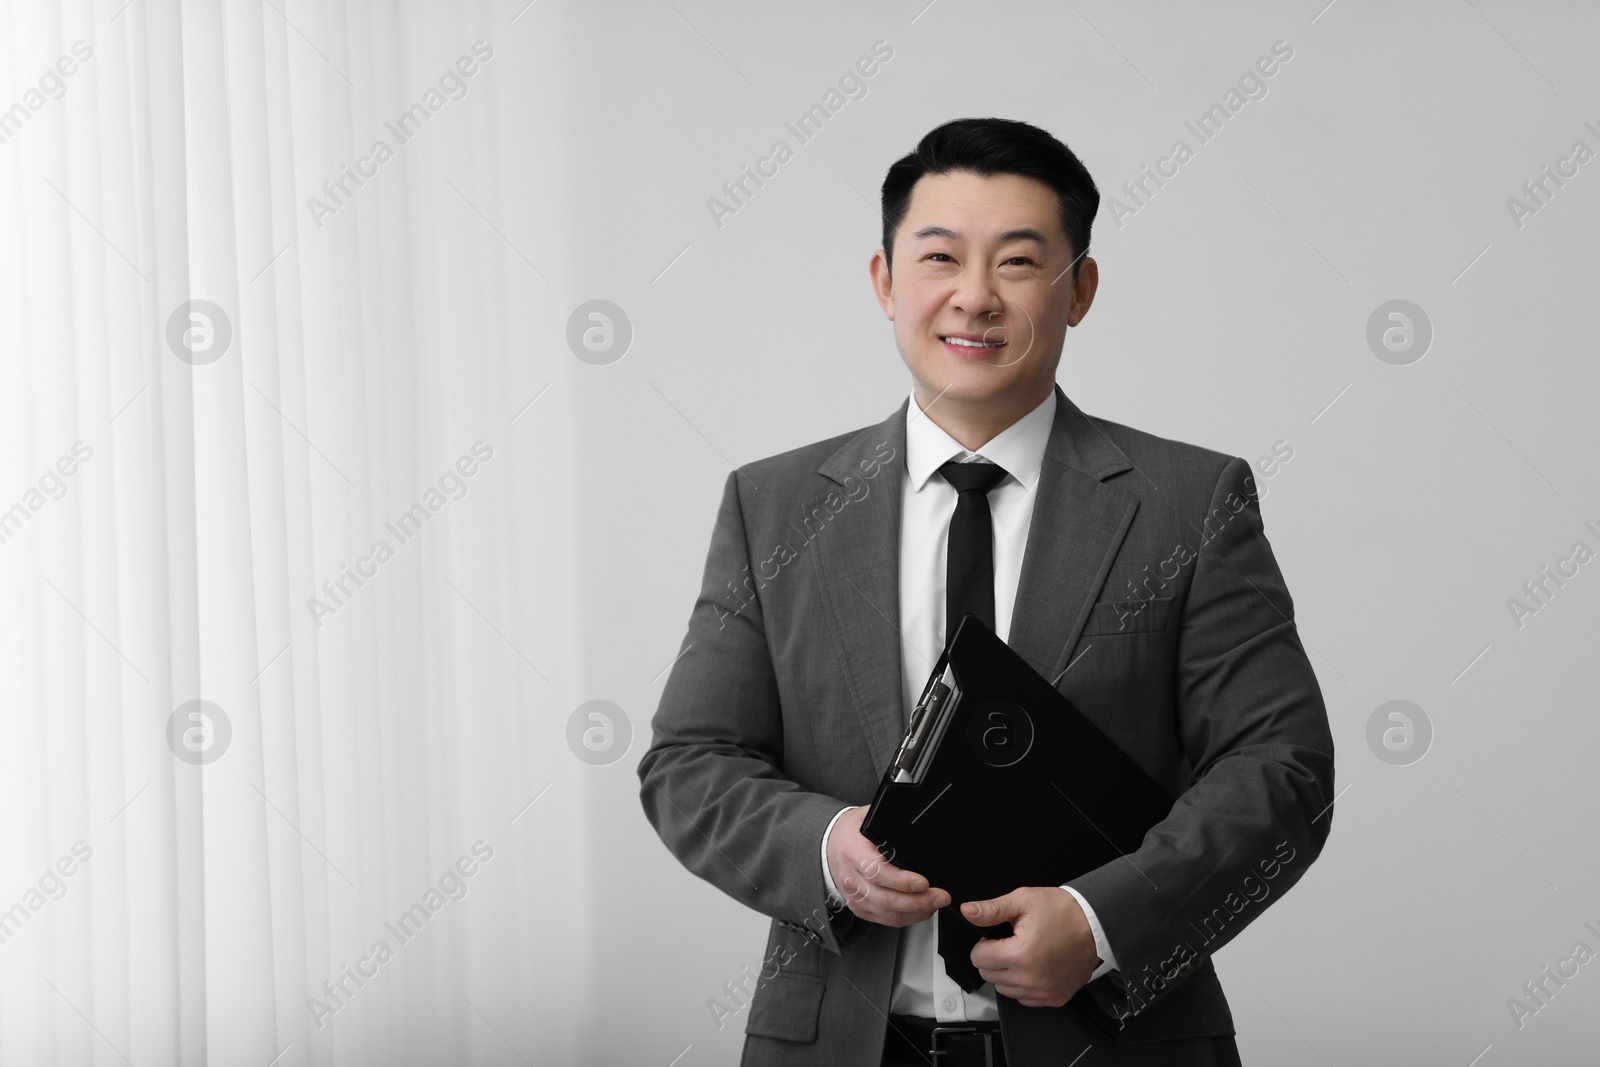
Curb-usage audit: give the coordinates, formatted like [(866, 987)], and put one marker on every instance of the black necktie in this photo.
[(969, 587)]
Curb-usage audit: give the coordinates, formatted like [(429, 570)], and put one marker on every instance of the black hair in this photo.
[(995, 146)]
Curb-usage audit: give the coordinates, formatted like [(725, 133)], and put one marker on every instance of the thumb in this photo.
[(992, 912)]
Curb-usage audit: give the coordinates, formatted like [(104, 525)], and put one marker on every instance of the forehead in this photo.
[(976, 206)]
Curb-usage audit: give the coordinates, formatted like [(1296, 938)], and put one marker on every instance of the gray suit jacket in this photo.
[(1148, 590)]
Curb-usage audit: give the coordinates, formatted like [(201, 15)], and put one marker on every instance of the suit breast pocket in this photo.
[(1112, 618)]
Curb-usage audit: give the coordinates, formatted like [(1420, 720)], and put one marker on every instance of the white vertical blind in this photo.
[(388, 717)]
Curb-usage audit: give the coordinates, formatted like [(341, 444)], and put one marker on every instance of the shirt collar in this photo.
[(1019, 448)]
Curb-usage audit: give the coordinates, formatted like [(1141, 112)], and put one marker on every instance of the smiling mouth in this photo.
[(976, 346)]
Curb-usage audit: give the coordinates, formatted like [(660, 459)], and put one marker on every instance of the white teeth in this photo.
[(974, 344)]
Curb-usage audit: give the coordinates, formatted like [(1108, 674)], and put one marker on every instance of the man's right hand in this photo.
[(873, 888)]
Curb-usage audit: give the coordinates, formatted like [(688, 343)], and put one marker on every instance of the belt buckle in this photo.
[(986, 1032)]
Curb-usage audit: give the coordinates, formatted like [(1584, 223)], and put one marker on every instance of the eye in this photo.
[(1020, 259), (938, 255)]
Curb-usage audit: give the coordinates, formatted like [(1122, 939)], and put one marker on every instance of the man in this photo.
[(1131, 570)]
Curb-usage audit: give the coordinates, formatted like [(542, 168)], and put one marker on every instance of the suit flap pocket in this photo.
[(787, 1007), (1133, 616)]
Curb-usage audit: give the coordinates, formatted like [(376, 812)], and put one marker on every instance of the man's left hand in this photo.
[(1051, 952)]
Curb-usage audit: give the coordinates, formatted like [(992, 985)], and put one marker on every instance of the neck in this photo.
[(974, 424)]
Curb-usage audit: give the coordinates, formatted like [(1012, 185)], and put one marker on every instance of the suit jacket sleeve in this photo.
[(1254, 728), (712, 781)]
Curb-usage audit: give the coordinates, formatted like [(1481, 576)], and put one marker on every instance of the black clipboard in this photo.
[(1000, 782)]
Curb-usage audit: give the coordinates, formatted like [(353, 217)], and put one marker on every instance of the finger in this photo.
[(928, 901), (899, 918), (932, 899), (992, 912), (855, 890), (885, 899), (879, 905), (881, 872), (893, 908), (991, 961)]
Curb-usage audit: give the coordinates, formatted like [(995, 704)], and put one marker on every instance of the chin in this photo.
[(974, 375), (967, 388)]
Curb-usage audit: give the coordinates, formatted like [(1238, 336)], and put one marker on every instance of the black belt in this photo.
[(925, 1042)]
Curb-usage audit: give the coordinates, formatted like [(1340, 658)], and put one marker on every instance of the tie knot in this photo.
[(973, 477)]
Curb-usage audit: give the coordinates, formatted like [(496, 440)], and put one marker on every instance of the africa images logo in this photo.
[(198, 732)]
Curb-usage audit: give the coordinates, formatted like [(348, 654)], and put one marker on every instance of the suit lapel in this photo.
[(859, 566), (1077, 527)]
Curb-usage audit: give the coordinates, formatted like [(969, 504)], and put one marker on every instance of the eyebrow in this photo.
[(1020, 233)]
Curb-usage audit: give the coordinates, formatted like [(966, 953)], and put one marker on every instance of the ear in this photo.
[(882, 283), (1083, 290)]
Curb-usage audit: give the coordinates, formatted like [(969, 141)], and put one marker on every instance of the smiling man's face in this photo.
[(982, 295)]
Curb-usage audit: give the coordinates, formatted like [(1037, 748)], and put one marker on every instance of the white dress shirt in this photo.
[(922, 987)]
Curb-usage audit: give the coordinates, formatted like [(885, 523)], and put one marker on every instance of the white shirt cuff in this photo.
[(834, 898), (1108, 962)]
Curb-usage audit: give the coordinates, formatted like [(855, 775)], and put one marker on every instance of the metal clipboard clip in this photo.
[(928, 723)]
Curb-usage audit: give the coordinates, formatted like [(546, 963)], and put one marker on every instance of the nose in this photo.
[(976, 296)]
